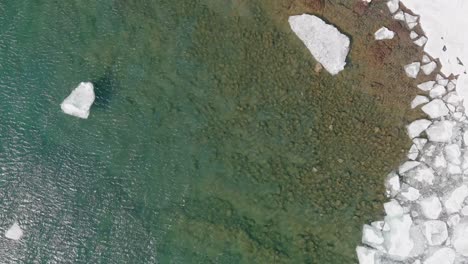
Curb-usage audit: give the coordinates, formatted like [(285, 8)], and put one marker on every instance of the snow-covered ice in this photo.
[(435, 232), (328, 46), (14, 232), (384, 33), (79, 102)]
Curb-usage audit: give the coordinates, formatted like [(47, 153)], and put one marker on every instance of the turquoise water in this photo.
[(209, 141)]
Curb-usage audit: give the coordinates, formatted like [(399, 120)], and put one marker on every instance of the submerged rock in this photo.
[(328, 46), (79, 101)]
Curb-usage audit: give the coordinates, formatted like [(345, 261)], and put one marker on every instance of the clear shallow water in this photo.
[(207, 142)]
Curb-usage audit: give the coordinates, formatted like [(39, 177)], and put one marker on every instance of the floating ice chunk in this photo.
[(412, 69), (413, 153), (393, 183), (425, 58), (410, 18), (453, 99), (426, 86), (420, 143), (460, 237), (408, 165), (440, 131), (419, 100), (378, 224), (324, 41), (393, 208), (453, 169), (462, 90), (429, 67), (79, 101), (411, 194), (435, 232), (465, 138), (14, 232), (397, 240), (454, 201), (421, 41), (414, 35), (384, 33), (453, 220), (453, 153), (417, 127), (393, 5), (439, 161), (411, 25), (437, 91), (435, 109), (400, 16), (422, 174), (372, 236), (451, 86), (431, 207), (443, 255), (464, 211), (366, 255)]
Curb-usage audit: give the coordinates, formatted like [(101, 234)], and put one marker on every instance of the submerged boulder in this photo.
[(79, 101), (328, 45)]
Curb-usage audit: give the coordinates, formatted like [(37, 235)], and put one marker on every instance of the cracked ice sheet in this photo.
[(442, 21)]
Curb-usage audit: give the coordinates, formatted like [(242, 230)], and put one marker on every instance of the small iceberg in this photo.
[(14, 232), (328, 46), (79, 101)]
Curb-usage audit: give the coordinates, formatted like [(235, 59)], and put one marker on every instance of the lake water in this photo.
[(211, 140)]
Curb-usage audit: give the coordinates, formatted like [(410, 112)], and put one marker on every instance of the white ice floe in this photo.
[(454, 201), (417, 127), (419, 100), (14, 232), (429, 67), (421, 41), (412, 69), (79, 101), (397, 239), (425, 58), (328, 46), (437, 91), (384, 33), (372, 236), (435, 232), (393, 5), (460, 237), (441, 256), (426, 86), (366, 255), (413, 35), (440, 131), (399, 16), (431, 207), (435, 109)]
